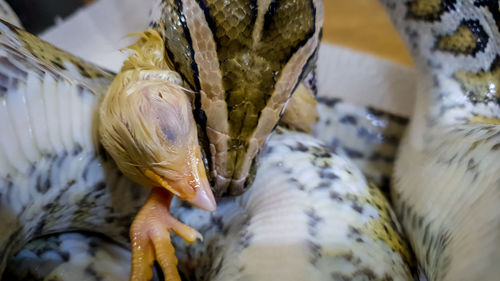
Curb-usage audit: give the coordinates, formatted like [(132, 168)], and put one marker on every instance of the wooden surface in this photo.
[(363, 25)]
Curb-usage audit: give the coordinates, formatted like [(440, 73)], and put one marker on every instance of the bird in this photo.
[(56, 173), (447, 176), (147, 126)]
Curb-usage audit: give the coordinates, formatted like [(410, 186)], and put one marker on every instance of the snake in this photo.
[(66, 181), (245, 72), (53, 176), (446, 179), (455, 123)]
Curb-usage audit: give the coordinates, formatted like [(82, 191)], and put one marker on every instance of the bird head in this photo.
[(147, 126)]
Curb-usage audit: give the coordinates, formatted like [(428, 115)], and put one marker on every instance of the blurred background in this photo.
[(363, 60), (363, 25), (38, 15), (358, 24)]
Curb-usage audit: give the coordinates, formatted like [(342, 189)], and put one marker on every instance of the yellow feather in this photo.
[(148, 52), (146, 120)]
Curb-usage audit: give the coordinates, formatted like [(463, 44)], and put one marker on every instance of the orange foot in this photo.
[(150, 237)]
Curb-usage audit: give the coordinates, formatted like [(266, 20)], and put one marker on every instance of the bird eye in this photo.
[(169, 133)]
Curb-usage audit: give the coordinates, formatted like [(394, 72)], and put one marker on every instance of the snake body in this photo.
[(310, 215), (54, 177), (75, 186), (339, 227), (243, 59), (447, 176)]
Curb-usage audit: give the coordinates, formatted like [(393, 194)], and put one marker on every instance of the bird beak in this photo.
[(204, 198), (193, 188)]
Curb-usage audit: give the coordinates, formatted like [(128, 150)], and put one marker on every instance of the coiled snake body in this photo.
[(446, 179), (80, 189)]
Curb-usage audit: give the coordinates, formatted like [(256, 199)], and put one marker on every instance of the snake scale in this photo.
[(447, 176), (245, 71), (443, 191)]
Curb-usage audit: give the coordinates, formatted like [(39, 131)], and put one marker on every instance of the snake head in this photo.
[(147, 126), (243, 59)]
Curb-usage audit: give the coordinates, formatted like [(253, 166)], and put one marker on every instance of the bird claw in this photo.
[(150, 237)]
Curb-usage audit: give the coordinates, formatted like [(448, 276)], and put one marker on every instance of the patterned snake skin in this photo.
[(447, 176), (445, 184), (54, 177), (342, 228), (65, 182), (243, 59), (310, 215)]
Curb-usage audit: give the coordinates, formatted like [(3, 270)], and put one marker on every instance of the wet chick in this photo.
[(146, 125)]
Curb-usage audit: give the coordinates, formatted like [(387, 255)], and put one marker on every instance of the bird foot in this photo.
[(150, 238)]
